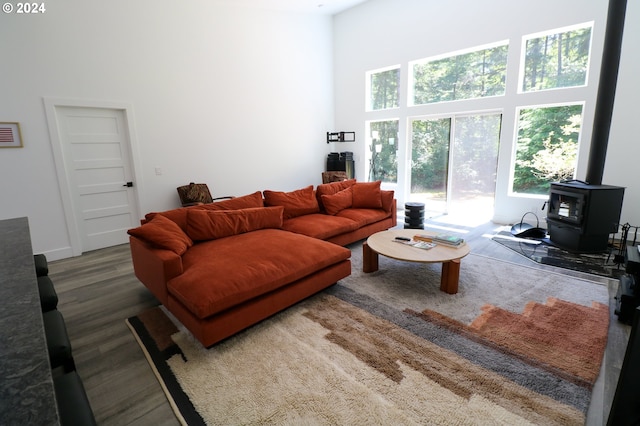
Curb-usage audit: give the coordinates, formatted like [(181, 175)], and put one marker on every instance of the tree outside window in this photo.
[(384, 89), (546, 148), (383, 158), (430, 156), (477, 74), (557, 60)]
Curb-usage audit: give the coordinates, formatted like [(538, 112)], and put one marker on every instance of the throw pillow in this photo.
[(367, 195), (295, 203), (163, 233), (332, 188), (335, 203), (212, 224)]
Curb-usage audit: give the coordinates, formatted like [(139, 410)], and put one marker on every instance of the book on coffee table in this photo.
[(444, 239), (417, 244)]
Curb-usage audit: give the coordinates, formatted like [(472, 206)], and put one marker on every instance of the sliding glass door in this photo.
[(454, 162), (430, 163)]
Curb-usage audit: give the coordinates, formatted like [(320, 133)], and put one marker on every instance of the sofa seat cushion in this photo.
[(222, 273), (321, 226), (363, 217)]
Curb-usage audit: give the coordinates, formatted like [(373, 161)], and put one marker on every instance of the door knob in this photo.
[(128, 184)]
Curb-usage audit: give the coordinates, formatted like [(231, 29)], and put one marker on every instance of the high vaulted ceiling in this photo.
[(323, 7)]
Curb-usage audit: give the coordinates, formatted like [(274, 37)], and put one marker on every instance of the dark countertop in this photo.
[(26, 387)]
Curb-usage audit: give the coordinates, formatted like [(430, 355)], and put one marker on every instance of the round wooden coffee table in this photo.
[(383, 243)]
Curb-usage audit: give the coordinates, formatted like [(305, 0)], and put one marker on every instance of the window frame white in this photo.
[(514, 145), (523, 54), (412, 64), (367, 91)]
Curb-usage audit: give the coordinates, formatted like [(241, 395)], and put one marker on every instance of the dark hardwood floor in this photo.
[(98, 291)]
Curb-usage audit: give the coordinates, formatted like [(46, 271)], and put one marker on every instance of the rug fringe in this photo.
[(170, 399)]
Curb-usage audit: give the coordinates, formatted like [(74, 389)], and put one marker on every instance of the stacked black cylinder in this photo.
[(413, 215), (341, 162)]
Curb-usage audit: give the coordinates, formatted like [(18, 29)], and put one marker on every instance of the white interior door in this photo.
[(96, 150)]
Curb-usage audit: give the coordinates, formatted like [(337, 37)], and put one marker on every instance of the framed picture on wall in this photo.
[(10, 136)]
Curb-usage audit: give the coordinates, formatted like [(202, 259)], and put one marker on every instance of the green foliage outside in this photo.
[(384, 164), (475, 159), (430, 155), (547, 142), (385, 89), (475, 153), (557, 60), (468, 76), (547, 147)]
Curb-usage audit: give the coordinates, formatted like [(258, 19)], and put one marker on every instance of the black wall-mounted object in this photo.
[(341, 137)]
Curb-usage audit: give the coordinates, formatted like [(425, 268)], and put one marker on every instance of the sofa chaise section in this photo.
[(249, 278)]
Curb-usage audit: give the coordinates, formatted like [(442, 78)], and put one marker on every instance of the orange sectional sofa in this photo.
[(222, 267)]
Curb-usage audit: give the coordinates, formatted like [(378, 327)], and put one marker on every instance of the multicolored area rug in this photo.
[(515, 346)]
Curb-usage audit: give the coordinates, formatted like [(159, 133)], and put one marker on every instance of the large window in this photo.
[(454, 161), (383, 159), (477, 74), (449, 149), (546, 147), (555, 60), (383, 89)]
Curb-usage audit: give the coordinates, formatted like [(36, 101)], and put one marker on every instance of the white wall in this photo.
[(237, 98), (623, 155), (381, 33)]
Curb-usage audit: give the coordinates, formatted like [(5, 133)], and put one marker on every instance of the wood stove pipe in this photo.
[(606, 91)]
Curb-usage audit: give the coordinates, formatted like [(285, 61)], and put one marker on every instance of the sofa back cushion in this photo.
[(245, 202), (367, 195), (212, 224), (295, 203), (179, 215), (163, 233), (388, 203)]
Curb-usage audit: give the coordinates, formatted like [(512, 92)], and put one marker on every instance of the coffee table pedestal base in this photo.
[(450, 276), (369, 259), (448, 280)]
